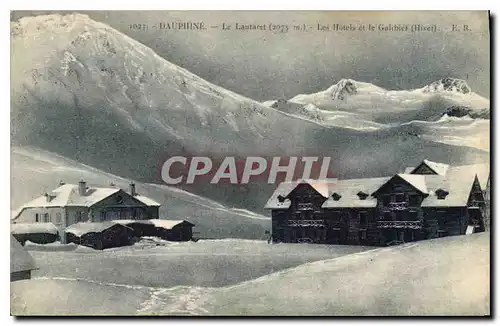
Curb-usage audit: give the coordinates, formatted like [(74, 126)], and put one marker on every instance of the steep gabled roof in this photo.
[(417, 181), (146, 200), (20, 259), (285, 188), (439, 168)]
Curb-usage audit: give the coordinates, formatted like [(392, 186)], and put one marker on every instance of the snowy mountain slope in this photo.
[(89, 93), (34, 172), (380, 105), (85, 82), (366, 107)]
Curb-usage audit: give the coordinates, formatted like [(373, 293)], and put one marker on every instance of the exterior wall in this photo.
[(55, 215), (444, 221)]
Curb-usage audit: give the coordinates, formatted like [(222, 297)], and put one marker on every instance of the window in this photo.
[(386, 199), (413, 216), (37, 218), (46, 217), (363, 220), (399, 198), (414, 200), (103, 216), (362, 234), (58, 218), (305, 206), (387, 217), (336, 196), (362, 195), (441, 194)]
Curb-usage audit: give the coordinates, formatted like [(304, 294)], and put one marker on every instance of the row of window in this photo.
[(46, 218)]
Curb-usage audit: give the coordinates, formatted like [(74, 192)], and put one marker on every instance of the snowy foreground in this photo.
[(448, 276)]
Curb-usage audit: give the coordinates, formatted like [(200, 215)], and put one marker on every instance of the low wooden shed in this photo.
[(171, 230), (100, 235), (35, 232)]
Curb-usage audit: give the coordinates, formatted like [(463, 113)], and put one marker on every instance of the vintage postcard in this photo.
[(250, 163)]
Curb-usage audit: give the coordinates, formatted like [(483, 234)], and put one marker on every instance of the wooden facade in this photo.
[(180, 232), (400, 214), (116, 235)]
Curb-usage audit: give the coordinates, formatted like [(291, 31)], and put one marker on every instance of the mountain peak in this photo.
[(343, 89), (448, 85)]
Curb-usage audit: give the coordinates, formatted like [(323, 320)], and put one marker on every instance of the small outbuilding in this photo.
[(41, 233), (100, 235), (171, 230), (21, 262)]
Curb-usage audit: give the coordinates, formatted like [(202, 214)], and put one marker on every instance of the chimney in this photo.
[(82, 188), (132, 189)]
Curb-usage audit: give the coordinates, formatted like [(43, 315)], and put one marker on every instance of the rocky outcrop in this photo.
[(462, 111), (448, 85), (343, 89)]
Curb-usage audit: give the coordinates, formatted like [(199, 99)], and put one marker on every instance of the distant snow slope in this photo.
[(366, 107), (34, 172), (92, 94)]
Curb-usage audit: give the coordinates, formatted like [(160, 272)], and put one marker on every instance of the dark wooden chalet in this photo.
[(428, 201), (171, 230), (100, 235)]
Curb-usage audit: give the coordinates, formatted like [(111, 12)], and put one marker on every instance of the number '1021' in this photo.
[(141, 27)]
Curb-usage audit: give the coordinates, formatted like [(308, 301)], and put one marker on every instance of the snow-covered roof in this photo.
[(165, 224), (68, 195), (285, 188), (20, 259), (348, 190), (147, 201), (439, 168), (456, 180), (82, 228), (416, 180), (29, 228)]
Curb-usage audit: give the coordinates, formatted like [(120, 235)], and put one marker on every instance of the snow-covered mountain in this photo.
[(364, 106), (82, 90)]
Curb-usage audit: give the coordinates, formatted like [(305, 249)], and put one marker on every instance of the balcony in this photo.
[(399, 224), (306, 223), (393, 206), (475, 203)]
